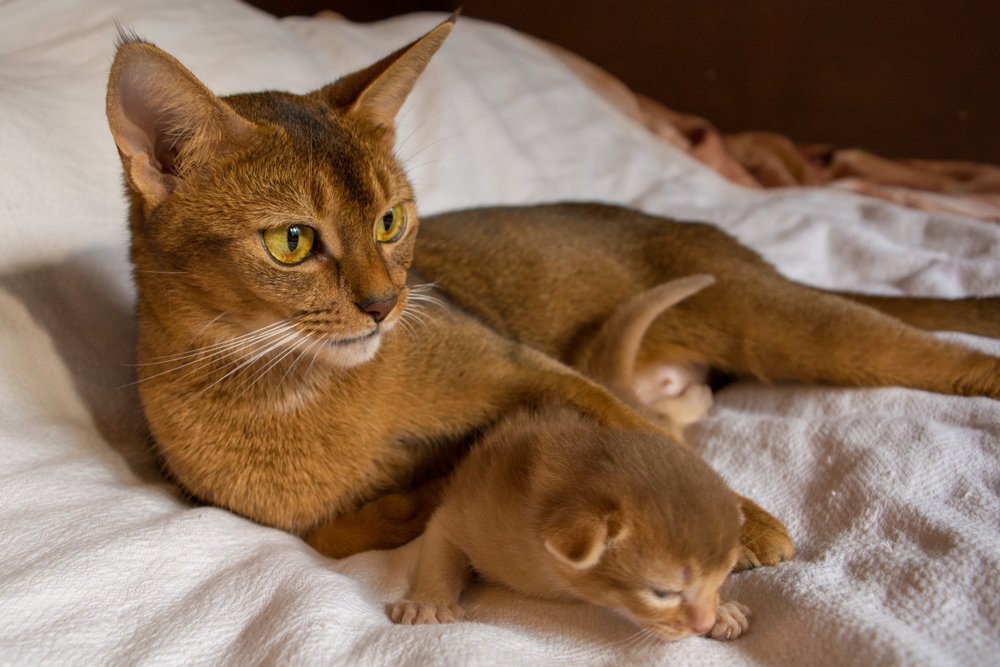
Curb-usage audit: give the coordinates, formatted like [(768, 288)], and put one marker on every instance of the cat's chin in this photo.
[(350, 353)]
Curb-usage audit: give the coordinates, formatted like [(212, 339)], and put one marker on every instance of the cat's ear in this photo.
[(165, 122), (377, 92), (579, 538)]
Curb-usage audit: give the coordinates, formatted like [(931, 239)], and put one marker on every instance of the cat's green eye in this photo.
[(391, 226), (291, 244)]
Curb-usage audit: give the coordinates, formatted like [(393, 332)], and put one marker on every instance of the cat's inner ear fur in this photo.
[(377, 92), (165, 122)]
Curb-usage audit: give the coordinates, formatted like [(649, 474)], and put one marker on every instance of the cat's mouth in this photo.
[(353, 350), (353, 340)]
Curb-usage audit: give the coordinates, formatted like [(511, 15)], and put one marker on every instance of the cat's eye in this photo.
[(391, 225), (661, 594), (289, 245)]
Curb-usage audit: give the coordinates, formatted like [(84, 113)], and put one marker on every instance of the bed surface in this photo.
[(890, 495)]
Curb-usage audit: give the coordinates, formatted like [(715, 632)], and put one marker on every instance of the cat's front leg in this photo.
[(731, 621)]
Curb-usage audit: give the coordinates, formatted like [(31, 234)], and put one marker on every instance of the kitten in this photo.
[(675, 394), (552, 506)]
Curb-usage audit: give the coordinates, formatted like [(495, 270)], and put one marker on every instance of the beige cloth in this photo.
[(771, 160)]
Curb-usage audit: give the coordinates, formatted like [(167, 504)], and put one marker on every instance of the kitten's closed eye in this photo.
[(289, 245), (662, 597)]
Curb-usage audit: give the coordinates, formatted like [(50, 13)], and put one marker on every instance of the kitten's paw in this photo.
[(688, 407), (731, 621), (413, 612), (764, 540)]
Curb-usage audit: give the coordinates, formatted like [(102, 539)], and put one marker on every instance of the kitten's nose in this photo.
[(379, 307), (703, 619), (703, 628)]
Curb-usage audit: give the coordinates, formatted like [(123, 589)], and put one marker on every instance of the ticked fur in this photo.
[(554, 506)]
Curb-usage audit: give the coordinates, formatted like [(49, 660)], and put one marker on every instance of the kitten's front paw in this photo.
[(412, 612), (765, 541), (731, 621)]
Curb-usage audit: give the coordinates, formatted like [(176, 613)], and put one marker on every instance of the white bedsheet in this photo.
[(891, 495)]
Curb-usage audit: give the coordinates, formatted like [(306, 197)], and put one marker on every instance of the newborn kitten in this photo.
[(676, 394), (554, 506)]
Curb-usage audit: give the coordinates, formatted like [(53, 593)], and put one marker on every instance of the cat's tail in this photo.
[(611, 355)]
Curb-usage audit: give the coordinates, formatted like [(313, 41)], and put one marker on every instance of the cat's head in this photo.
[(269, 211), (652, 537)]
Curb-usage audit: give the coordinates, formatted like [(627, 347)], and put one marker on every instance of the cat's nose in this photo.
[(379, 307)]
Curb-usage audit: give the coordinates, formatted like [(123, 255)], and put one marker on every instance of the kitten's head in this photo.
[(652, 536), (268, 209)]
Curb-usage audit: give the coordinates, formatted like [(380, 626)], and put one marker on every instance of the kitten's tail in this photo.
[(610, 358)]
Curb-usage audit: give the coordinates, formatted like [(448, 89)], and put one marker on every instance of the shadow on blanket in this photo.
[(86, 304)]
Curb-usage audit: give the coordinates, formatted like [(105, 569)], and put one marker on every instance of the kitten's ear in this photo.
[(164, 120), (377, 92), (579, 539)]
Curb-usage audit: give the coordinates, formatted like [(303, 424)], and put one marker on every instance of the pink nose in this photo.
[(379, 307), (703, 627), (703, 619)]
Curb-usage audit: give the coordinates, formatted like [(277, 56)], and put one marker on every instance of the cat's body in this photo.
[(271, 238), (753, 322), (554, 506)]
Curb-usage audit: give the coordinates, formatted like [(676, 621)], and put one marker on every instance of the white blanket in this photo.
[(891, 495)]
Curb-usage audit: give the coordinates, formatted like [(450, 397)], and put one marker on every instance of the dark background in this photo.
[(898, 78)]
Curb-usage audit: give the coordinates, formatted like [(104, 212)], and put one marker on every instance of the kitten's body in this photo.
[(553, 506)]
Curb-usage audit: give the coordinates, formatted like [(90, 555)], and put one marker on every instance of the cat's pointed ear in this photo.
[(579, 539), (165, 122), (377, 92)]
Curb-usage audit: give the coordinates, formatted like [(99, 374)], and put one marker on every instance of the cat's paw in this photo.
[(731, 621), (413, 612), (384, 523), (764, 540)]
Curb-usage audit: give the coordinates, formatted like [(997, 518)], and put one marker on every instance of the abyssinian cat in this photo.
[(554, 506), (271, 237)]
